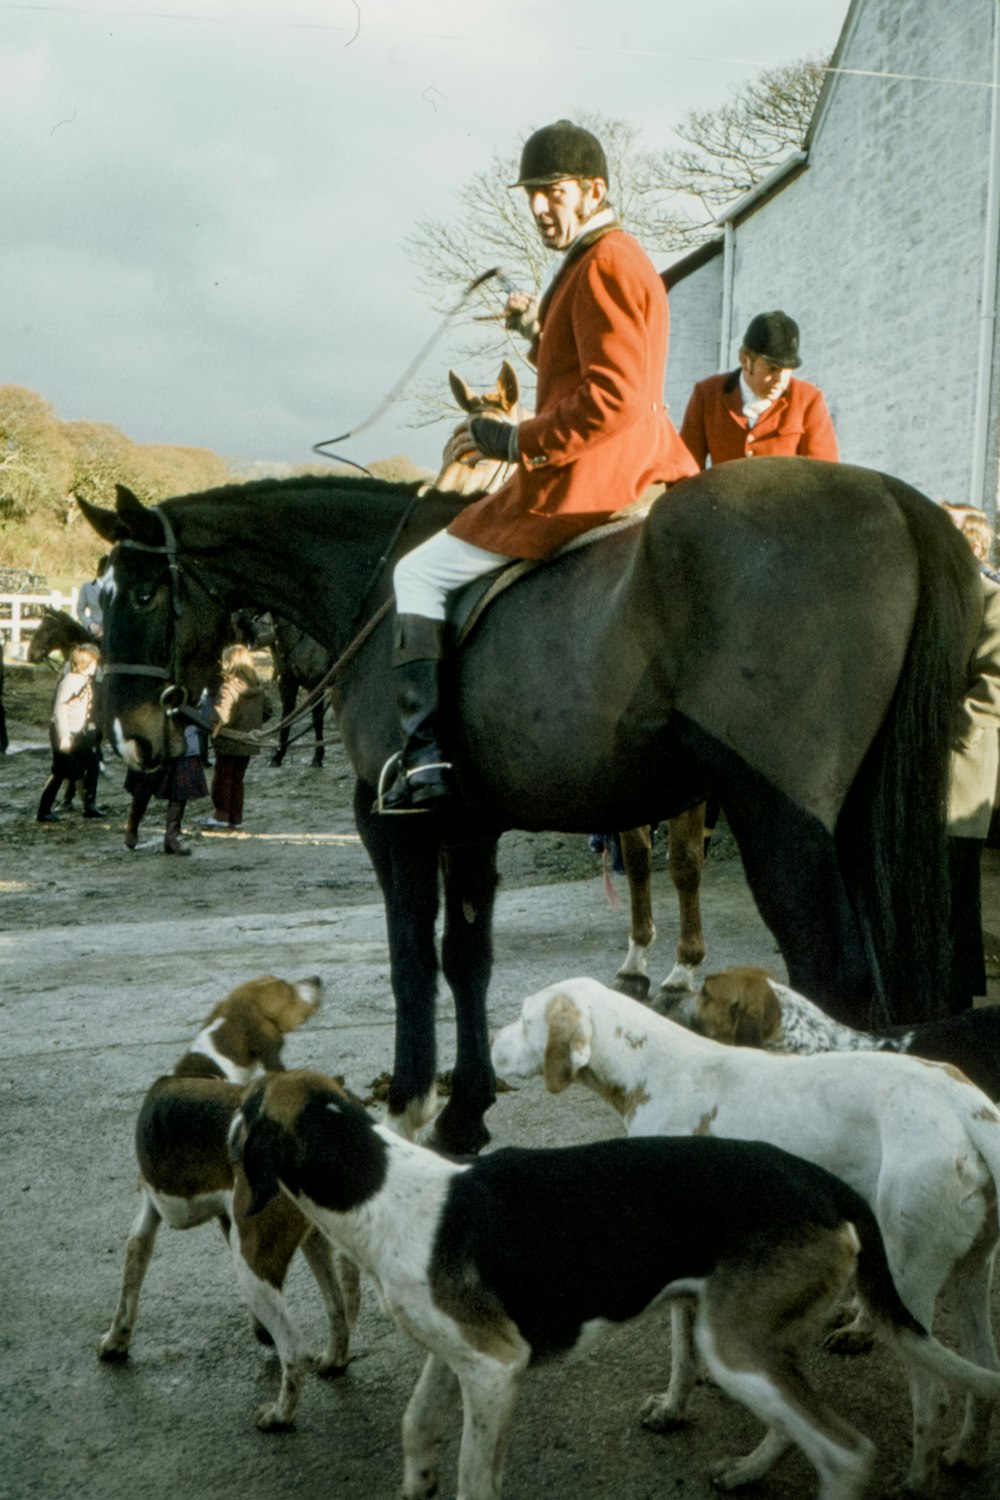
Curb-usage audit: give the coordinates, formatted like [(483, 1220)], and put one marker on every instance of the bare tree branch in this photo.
[(669, 199)]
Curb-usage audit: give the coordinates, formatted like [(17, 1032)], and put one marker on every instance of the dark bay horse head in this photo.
[(182, 571), (56, 631), (164, 630)]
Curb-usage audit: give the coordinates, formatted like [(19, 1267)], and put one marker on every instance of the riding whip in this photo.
[(496, 272)]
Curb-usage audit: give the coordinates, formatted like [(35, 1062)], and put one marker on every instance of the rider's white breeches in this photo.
[(424, 578)]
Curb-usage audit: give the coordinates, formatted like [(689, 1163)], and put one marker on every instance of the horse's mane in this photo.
[(330, 483)]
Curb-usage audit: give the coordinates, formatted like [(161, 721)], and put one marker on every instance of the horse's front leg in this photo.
[(470, 880), (637, 856), (318, 714), (405, 853), (686, 851), (288, 691)]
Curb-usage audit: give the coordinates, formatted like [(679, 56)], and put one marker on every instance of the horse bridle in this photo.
[(169, 699), (174, 696)]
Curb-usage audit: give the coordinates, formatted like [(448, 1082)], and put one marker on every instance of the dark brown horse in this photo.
[(686, 836), (787, 635), (59, 632), (299, 663)]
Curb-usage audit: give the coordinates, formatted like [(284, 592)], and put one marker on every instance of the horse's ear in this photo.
[(129, 521), (137, 522), (105, 522), (509, 386), (463, 393)]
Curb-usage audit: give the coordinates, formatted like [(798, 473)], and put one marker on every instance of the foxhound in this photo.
[(524, 1255), (749, 1008), (917, 1140), (186, 1179)]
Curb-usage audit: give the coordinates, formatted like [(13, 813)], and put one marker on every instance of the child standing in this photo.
[(239, 708), (74, 735), (181, 782)]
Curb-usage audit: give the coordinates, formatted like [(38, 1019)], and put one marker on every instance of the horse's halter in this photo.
[(174, 695)]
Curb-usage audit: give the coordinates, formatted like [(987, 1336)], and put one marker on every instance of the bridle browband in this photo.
[(167, 548)]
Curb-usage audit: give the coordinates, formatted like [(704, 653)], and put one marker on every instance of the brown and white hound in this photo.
[(186, 1179)]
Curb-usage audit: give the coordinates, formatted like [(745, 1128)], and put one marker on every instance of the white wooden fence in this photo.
[(20, 614)]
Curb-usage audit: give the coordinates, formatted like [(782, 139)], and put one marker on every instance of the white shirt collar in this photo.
[(754, 407), (596, 221)]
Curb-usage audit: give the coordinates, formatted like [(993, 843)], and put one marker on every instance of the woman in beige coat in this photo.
[(974, 765), (239, 709)]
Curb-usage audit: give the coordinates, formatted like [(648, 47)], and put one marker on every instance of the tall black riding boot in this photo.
[(49, 793), (172, 832), (91, 771), (421, 783)]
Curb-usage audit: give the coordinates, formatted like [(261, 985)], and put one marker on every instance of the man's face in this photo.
[(560, 209), (767, 381)]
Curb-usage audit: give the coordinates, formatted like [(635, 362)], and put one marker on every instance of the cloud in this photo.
[(205, 210)]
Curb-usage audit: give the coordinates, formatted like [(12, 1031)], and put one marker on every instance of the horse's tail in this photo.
[(892, 833)]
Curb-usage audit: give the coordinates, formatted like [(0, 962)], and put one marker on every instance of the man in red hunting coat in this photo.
[(759, 409), (600, 436)]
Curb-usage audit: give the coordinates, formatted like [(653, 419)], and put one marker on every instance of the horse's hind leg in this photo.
[(637, 856), (791, 865), (686, 853), (470, 880), (405, 853)]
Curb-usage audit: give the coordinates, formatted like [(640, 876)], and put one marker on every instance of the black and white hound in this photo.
[(748, 1008), (528, 1254), (917, 1140), (186, 1179)]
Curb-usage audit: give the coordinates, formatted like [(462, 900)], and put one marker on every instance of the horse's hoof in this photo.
[(680, 981), (636, 986)]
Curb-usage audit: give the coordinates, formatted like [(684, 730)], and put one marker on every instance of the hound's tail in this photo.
[(892, 832)]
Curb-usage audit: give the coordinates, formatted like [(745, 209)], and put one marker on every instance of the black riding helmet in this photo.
[(775, 337), (558, 151)]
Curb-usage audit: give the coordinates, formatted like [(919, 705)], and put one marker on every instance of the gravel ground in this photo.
[(111, 960)]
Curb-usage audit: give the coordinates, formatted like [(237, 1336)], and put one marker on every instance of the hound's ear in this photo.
[(263, 1158), (567, 1049), (509, 386), (756, 1015), (760, 1020), (139, 523), (463, 393)]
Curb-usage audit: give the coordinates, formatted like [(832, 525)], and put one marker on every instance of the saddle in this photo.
[(467, 605)]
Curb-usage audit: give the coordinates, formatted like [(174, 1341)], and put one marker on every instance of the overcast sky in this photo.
[(203, 205)]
